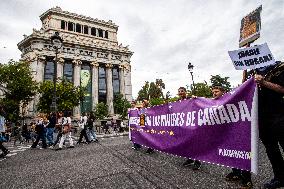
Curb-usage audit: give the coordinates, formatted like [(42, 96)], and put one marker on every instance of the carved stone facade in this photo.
[(89, 46)]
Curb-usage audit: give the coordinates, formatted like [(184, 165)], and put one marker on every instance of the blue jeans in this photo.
[(49, 135), (92, 134)]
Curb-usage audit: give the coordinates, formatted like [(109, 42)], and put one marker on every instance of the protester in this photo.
[(145, 104), (26, 133), (91, 132), (40, 130), (66, 131), (83, 129), (58, 129), (189, 162), (271, 118), (50, 128), (18, 133), (5, 151), (133, 108)]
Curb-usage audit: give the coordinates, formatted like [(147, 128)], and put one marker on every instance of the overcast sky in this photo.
[(165, 35)]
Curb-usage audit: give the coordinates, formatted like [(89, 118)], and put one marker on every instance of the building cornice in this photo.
[(72, 39), (57, 10)]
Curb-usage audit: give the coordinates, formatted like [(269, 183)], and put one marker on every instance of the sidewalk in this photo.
[(102, 135)]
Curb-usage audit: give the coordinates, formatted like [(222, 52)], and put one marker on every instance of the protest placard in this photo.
[(251, 58), (250, 27)]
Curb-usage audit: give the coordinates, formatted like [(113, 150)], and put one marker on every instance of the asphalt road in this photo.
[(112, 163)]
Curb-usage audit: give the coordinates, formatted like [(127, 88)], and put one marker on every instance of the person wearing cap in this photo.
[(271, 118)]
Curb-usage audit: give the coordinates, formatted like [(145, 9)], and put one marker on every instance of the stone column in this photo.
[(109, 89), (60, 68), (37, 64), (77, 72), (95, 83), (128, 85), (121, 80)]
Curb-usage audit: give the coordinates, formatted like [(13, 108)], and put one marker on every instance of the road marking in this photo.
[(9, 155)]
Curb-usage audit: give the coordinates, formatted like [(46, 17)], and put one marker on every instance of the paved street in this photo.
[(111, 163)]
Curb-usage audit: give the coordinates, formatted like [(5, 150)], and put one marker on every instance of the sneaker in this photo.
[(196, 165), (188, 162), (51, 147), (71, 147), (246, 185), (4, 153), (232, 177), (57, 149), (274, 183), (149, 151)]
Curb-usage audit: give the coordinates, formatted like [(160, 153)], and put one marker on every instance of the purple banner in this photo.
[(221, 131)]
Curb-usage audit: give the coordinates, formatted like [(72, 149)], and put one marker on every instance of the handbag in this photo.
[(3, 138)]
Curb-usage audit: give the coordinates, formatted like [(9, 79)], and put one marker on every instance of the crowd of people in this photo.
[(270, 81)]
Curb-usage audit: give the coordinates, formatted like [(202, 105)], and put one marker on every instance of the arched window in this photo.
[(49, 69), (68, 70), (70, 26), (100, 31), (115, 80), (63, 24), (78, 28), (93, 31), (86, 30), (102, 84)]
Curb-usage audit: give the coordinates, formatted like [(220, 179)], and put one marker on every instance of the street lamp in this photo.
[(190, 68), (57, 42)]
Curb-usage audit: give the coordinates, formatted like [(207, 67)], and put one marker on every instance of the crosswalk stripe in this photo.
[(11, 154)]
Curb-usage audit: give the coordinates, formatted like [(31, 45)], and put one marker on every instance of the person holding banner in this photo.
[(271, 118), (145, 104), (133, 107), (236, 174), (195, 163)]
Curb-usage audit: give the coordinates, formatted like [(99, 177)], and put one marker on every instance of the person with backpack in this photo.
[(66, 130), (5, 151)]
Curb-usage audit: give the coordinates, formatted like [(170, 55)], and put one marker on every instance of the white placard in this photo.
[(252, 57)]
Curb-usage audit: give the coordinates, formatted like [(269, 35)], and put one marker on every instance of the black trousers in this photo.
[(83, 133), (272, 136), (2, 147), (40, 136), (244, 175)]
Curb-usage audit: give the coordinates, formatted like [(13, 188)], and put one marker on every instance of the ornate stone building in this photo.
[(90, 57)]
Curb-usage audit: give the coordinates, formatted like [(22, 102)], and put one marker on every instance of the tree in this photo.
[(19, 87), (101, 110), (156, 101), (217, 80), (120, 105), (144, 92), (68, 96), (152, 90), (202, 90)]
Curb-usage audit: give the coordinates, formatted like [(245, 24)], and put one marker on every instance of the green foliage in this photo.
[(20, 88), (144, 92), (101, 110), (217, 80), (156, 101), (68, 96), (121, 105), (202, 90), (151, 90)]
